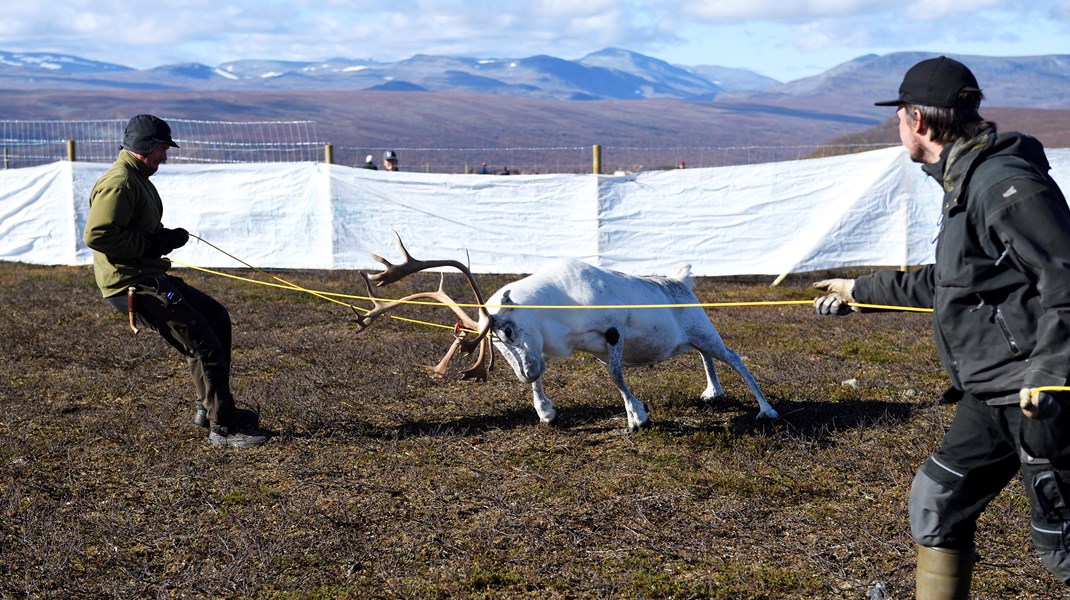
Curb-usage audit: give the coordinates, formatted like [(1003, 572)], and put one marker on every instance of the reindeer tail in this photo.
[(682, 273)]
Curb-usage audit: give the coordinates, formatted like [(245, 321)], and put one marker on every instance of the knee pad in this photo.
[(1051, 524), (1057, 562), (927, 504), (1051, 502)]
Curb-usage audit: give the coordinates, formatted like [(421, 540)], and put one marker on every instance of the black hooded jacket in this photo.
[(1000, 287)]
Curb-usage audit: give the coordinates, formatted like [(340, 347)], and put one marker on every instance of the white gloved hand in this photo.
[(1041, 405), (838, 299)]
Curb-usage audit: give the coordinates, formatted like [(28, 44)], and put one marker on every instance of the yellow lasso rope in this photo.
[(331, 296), (1049, 388), (292, 286)]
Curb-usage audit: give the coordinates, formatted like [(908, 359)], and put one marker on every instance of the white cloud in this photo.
[(946, 9), (568, 9), (726, 11)]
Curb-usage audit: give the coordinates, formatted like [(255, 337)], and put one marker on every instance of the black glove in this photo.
[(164, 240)]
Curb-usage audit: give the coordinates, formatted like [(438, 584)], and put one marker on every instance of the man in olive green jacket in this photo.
[(124, 231)]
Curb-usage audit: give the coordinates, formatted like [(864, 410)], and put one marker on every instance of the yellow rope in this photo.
[(330, 296), (1049, 388), (293, 286)]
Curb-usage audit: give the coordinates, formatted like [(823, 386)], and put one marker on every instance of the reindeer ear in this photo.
[(506, 299)]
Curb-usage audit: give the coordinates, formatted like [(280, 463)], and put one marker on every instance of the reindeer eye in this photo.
[(507, 333)]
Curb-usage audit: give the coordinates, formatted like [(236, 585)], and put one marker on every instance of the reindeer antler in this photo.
[(379, 307), (463, 341)]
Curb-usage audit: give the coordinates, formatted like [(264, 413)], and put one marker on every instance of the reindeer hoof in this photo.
[(435, 372), (550, 421), (767, 415), (639, 427)]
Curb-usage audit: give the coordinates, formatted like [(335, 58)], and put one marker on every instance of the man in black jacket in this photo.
[(1000, 294)]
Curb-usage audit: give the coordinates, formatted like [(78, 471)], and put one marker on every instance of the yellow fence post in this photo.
[(596, 153), (328, 154), (70, 150)]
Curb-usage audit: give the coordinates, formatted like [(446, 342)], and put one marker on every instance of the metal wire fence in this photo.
[(581, 159), (28, 143)]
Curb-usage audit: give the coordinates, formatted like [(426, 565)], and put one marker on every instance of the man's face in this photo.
[(154, 159), (391, 164), (908, 134)]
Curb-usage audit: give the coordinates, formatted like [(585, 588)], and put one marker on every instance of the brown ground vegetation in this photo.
[(383, 483)]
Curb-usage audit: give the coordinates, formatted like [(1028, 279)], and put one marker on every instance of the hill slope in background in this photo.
[(1050, 126), (434, 120), (456, 120)]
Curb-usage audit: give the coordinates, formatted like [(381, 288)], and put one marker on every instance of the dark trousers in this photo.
[(198, 327), (980, 454)]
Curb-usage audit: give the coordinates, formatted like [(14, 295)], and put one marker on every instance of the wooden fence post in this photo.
[(328, 154), (596, 153), (70, 150)]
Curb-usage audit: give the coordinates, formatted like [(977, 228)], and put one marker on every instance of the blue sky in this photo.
[(783, 39)]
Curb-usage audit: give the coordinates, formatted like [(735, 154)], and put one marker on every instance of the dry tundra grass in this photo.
[(383, 483)]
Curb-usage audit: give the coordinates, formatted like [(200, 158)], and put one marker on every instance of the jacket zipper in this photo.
[(997, 316)]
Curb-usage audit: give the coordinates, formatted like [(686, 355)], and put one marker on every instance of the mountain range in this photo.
[(609, 74), (612, 96)]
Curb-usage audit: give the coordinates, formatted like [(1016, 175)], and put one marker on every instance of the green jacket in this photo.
[(124, 208)]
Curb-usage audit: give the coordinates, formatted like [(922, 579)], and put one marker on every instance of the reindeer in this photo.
[(568, 306)]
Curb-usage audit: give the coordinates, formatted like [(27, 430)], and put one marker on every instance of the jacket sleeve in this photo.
[(897, 288), (107, 226)]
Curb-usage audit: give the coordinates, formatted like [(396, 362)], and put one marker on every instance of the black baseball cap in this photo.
[(934, 82), (143, 132)]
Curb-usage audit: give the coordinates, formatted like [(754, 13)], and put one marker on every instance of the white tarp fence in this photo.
[(874, 208)]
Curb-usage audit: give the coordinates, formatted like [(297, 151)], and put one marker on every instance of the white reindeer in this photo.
[(590, 310)]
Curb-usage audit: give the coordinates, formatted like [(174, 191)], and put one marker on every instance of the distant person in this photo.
[(483, 170), (369, 163), (681, 165), (504, 171), (1000, 294), (128, 241), (390, 161)]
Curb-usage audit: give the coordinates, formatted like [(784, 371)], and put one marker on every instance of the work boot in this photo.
[(237, 436), (241, 415), (200, 418)]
